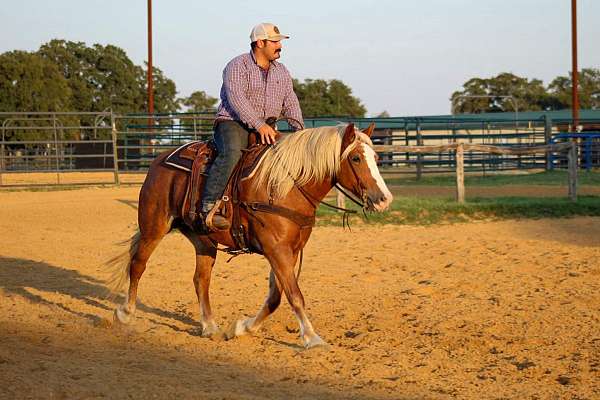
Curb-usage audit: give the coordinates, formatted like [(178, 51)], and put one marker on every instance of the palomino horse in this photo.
[(295, 174)]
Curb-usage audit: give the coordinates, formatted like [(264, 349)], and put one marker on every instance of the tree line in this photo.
[(71, 76), (483, 95)]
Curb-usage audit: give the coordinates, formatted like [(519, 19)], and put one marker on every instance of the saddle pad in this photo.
[(253, 159), (183, 157)]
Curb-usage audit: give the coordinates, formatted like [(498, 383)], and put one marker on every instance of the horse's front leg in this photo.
[(283, 260), (251, 325)]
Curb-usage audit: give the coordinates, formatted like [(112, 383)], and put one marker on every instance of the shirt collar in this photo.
[(274, 64)]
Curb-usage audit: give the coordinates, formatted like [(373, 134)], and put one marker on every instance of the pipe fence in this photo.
[(110, 148)]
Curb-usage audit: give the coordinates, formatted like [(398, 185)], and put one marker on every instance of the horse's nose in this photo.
[(384, 201)]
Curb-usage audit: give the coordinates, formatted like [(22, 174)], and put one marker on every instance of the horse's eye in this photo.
[(356, 158)]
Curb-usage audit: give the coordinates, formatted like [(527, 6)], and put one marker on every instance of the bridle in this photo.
[(362, 203)]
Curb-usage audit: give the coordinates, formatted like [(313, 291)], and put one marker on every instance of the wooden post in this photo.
[(572, 157), (460, 173)]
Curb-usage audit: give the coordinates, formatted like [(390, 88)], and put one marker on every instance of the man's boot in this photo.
[(220, 222)]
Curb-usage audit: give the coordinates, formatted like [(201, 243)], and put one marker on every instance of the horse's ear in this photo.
[(370, 129), (349, 136)]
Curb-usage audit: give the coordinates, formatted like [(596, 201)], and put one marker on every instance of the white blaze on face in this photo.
[(372, 164)]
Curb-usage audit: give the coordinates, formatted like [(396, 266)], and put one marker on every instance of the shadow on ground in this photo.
[(18, 276)]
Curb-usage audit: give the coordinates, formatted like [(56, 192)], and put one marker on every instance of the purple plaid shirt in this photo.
[(251, 95)]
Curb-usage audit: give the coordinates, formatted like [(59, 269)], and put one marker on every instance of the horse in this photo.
[(295, 174)]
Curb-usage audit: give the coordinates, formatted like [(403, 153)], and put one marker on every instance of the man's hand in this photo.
[(267, 134)]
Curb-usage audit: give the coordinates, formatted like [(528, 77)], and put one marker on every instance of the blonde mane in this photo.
[(304, 156)]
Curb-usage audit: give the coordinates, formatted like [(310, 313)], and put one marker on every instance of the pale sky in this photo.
[(406, 57)]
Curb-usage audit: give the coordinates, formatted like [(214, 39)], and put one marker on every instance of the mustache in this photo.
[(278, 51)]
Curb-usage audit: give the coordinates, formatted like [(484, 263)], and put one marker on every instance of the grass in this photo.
[(546, 178), (428, 211)]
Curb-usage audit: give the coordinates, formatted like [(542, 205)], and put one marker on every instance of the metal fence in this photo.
[(55, 143), (108, 148)]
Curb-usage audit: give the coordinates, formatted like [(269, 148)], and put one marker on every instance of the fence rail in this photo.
[(460, 148)]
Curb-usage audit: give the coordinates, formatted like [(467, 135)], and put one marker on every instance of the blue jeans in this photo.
[(230, 139)]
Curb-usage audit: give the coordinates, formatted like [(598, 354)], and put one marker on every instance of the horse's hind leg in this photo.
[(205, 260), (151, 233), (251, 325)]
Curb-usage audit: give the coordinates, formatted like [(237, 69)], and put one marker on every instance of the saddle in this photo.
[(196, 158)]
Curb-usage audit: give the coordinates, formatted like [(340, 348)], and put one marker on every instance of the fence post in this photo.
[(548, 140), (419, 155), (2, 153), (588, 154), (572, 157), (56, 155), (460, 173), (115, 150)]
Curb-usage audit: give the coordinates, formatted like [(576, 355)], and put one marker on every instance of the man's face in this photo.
[(271, 49)]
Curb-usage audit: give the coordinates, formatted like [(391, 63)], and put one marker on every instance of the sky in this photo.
[(403, 56)]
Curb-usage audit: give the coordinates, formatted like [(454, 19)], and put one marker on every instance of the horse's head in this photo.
[(359, 172)]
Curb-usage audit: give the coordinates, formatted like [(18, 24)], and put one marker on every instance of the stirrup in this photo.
[(214, 221)]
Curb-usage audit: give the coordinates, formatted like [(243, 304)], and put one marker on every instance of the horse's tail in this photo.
[(120, 265)]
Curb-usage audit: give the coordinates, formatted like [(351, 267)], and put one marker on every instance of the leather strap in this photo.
[(303, 221), (201, 159)]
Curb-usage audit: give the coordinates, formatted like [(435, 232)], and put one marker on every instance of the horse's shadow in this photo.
[(24, 278)]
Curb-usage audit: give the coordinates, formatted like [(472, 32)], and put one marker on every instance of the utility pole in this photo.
[(575, 74), (150, 80)]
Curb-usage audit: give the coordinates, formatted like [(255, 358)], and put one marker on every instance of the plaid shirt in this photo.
[(251, 95)]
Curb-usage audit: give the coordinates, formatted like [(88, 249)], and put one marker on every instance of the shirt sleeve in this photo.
[(235, 82), (291, 106)]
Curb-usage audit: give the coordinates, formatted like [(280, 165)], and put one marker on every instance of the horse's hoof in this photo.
[(211, 331), (315, 342), (237, 328), (122, 317)]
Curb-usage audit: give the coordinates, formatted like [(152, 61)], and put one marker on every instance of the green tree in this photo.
[(199, 101), (165, 91), (76, 62), (319, 98), (103, 77), (115, 79), (29, 82), (481, 95), (589, 89)]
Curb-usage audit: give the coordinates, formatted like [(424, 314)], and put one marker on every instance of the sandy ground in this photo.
[(502, 310)]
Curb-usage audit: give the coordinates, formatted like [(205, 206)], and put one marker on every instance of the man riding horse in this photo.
[(255, 88), (273, 208)]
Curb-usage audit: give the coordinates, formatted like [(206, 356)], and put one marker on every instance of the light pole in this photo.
[(150, 80), (574, 73)]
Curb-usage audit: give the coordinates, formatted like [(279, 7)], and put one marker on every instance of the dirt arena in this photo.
[(490, 310)]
